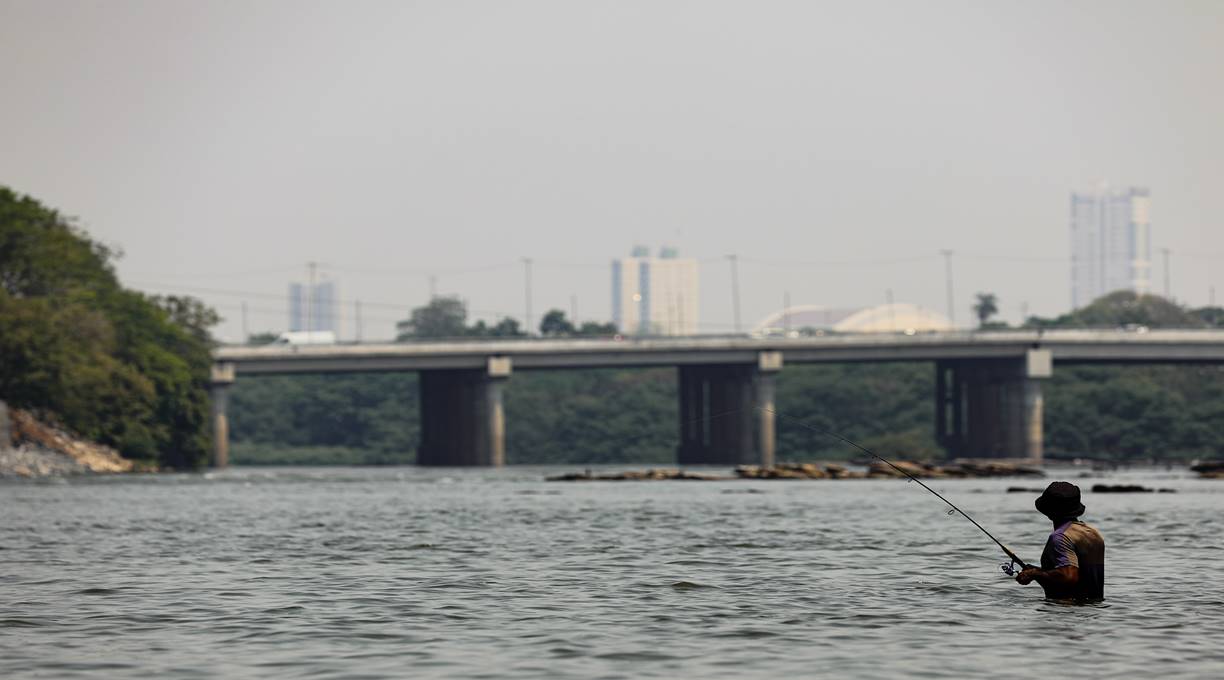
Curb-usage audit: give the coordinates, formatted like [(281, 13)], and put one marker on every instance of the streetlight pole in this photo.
[(948, 280), (1167, 289), (735, 292), (527, 286), (312, 271)]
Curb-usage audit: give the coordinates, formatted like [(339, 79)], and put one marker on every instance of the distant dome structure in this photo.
[(890, 318)]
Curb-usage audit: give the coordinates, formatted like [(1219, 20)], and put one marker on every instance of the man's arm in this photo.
[(1060, 577)]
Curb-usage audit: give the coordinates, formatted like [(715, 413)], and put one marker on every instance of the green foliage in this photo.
[(505, 328), (987, 305), (246, 453), (110, 364), (861, 402), (446, 317), (555, 324), (259, 339), (580, 417), (592, 416), (373, 411), (443, 317), (1134, 412), (1124, 308), (596, 329)]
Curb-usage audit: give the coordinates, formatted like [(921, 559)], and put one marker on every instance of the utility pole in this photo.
[(246, 336), (948, 279), (433, 287), (312, 271), (574, 310), (1168, 295), (786, 312), (357, 318), (735, 292), (527, 284), (892, 313)]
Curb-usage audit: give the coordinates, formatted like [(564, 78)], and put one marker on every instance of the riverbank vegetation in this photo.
[(109, 364)]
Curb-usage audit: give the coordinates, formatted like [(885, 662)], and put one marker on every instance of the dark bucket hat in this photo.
[(1060, 499)]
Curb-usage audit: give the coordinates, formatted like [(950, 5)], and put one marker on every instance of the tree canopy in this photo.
[(110, 364), (987, 305)]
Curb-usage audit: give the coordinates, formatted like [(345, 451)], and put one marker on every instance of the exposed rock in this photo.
[(634, 475), (1127, 488), (35, 449), (877, 470), (881, 470), (1213, 469), (836, 471)]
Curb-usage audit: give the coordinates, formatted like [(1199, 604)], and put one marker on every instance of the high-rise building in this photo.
[(1111, 244), (314, 308), (655, 295)]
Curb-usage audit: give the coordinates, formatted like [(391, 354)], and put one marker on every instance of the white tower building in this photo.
[(1111, 243), (655, 295)]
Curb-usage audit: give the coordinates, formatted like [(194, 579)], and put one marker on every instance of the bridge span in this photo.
[(987, 385)]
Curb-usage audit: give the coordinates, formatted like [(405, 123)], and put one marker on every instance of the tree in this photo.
[(507, 328), (554, 324), (594, 328), (1126, 308), (112, 365), (986, 307), (258, 339), (443, 317)]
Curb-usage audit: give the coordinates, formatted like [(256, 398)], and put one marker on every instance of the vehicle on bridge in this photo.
[(306, 338)]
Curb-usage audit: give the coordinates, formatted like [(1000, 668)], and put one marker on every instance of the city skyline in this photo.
[(431, 147)]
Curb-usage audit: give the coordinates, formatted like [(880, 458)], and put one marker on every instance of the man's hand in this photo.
[(1027, 576)]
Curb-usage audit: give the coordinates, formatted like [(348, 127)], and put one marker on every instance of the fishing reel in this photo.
[(1015, 567)]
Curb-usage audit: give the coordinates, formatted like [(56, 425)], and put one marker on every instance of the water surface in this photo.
[(396, 572)]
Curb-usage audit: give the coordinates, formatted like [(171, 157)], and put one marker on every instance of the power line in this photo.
[(402, 307)]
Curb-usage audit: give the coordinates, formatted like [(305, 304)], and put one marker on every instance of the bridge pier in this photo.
[(727, 413), (220, 380), (991, 408), (463, 419)]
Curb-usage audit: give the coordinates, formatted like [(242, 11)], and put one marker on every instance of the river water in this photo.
[(406, 572)]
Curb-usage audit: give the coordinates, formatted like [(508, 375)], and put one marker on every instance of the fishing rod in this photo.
[(1009, 569)]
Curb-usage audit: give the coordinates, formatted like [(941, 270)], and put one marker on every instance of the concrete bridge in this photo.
[(987, 385)]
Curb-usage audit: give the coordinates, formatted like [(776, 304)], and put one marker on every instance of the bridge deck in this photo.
[(1066, 346)]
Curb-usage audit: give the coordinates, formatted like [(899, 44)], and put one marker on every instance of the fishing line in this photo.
[(1009, 569)]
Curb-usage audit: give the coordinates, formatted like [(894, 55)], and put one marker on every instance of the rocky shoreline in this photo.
[(30, 448), (877, 470)]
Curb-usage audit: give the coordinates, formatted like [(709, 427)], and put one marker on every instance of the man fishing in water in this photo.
[(1073, 562)]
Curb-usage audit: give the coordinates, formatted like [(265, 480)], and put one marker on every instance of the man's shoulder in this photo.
[(1083, 531)]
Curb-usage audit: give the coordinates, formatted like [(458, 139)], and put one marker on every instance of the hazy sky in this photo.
[(836, 147)]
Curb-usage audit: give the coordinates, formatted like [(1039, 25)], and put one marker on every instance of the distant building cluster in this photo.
[(314, 307), (1111, 243), (655, 295)]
